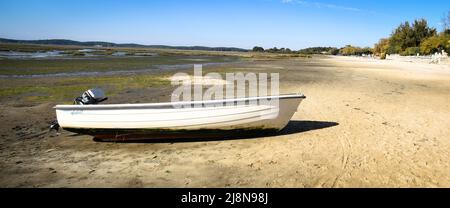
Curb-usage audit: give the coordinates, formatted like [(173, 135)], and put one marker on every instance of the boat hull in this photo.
[(168, 120)]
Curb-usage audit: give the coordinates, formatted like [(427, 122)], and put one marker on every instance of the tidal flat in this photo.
[(364, 123)]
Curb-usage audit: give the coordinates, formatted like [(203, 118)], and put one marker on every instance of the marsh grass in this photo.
[(64, 90), (50, 66), (35, 47)]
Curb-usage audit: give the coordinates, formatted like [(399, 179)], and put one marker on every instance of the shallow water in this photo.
[(24, 55), (157, 68)]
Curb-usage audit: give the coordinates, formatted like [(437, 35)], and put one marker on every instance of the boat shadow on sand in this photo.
[(293, 127)]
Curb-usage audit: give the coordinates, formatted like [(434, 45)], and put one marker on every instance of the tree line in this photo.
[(407, 39), (415, 38), (345, 51)]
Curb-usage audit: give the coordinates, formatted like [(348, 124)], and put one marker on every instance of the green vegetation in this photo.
[(355, 51), (49, 66), (320, 50), (381, 48), (416, 38), (65, 89), (436, 44), (407, 36), (410, 51), (258, 49), (279, 50), (36, 48), (274, 50), (346, 51)]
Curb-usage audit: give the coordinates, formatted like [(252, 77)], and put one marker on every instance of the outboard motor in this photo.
[(91, 97)]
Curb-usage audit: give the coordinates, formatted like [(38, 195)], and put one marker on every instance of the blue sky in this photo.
[(236, 23)]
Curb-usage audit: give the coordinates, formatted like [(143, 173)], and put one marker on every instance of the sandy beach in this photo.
[(365, 123)]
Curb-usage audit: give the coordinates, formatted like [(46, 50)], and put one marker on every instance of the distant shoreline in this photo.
[(100, 44)]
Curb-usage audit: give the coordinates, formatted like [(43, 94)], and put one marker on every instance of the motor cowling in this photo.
[(91, 97)]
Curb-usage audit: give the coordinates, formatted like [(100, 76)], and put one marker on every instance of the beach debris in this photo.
[(49, 150), (54, 126), (52, 170)]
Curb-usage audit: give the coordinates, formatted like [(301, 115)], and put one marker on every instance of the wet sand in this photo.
[(365, 123)]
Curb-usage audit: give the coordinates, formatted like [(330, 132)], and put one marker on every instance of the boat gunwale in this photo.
[(171, 104)]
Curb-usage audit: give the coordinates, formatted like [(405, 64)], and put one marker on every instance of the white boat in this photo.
[(162, 120)]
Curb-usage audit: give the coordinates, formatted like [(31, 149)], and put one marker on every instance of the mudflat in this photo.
[(365, 123)]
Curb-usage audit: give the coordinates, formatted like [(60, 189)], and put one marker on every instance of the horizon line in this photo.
[(164, 45)]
